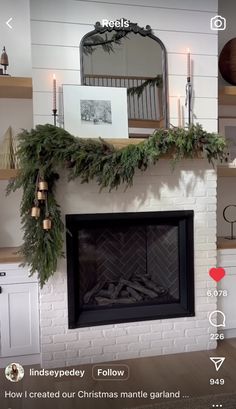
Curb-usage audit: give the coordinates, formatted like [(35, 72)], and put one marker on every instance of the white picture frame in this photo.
[(227, 128), (93, 112)]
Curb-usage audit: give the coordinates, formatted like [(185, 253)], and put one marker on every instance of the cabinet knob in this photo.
[(3, 273)]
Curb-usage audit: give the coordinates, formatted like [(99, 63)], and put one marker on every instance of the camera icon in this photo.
[(218, 23)]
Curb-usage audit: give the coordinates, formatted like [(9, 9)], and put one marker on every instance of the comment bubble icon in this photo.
[(217, 319)]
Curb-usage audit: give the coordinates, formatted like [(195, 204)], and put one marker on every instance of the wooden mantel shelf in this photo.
[(223, 243), (227, 170), (123, 142), (227, 95), (6, 174), (9, 255), (15, 87)]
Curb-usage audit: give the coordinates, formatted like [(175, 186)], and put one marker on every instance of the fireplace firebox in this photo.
[(124, 267)]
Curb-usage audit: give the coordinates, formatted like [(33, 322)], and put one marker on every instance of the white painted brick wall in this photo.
[(192, 185)]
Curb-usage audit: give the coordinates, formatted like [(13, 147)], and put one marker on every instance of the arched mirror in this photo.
[(134, 58)]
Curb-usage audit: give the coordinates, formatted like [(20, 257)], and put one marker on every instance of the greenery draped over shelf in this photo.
[(47, 149)]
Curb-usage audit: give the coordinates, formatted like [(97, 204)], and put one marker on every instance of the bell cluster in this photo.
[(41, 197)]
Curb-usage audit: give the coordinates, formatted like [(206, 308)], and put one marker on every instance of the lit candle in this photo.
[(188, 64), (54, 93)]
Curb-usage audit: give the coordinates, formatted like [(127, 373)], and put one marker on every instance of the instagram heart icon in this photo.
[(217, 273)]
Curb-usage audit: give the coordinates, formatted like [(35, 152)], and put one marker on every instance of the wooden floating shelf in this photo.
[(227, 95), (123, 142), (6, 174), (8, 255), (15, 87), (223, 243), (226, 170)]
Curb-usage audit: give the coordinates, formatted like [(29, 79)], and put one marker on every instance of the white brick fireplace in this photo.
[(192, 186)]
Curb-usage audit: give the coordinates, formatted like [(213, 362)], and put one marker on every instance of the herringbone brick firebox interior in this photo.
[(142, 263)]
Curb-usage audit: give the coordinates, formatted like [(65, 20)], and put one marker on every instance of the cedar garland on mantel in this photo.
[(47, 149)]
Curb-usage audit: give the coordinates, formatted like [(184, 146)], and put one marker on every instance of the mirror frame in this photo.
[(144, 32)]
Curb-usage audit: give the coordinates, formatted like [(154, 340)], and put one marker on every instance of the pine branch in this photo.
[(107, 45), (138, 90)]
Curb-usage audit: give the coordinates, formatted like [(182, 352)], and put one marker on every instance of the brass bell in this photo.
[(41, 196), (35, 212), (4, 60), (43, 185), (47, 224)]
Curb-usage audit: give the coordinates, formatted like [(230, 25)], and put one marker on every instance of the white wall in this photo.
[(58, 27), (10, 227), (17, 39), (17, 113)]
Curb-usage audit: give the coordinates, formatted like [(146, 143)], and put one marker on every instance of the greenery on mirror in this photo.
[(138, 90), (46, 150), (107, 44)]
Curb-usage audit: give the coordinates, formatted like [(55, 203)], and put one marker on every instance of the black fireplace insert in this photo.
[(124, 267)]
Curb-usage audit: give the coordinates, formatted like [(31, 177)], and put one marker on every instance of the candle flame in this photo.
[(54, 76), (188, 50)]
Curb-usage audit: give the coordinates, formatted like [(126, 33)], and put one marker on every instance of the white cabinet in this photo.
[(19, 321), (227, 260)]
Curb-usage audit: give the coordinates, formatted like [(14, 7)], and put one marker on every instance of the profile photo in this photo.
[(14, 372)]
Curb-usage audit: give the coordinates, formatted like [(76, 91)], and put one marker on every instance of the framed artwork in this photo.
[(227, 128), (92, 112)]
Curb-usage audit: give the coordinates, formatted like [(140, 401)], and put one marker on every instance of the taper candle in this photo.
[(179, 112), (54, 92), (188, 64)]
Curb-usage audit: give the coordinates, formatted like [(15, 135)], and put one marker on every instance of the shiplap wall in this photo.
[(17, 113), (17, 39), (57, 27)]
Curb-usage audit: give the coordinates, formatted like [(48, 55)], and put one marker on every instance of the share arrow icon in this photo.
[(218, 362)]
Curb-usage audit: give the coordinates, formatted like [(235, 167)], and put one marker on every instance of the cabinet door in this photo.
[(19, 319)]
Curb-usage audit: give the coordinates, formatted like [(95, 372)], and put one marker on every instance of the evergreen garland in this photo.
[(47, 149)]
